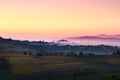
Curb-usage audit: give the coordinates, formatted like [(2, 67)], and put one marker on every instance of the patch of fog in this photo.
[(92, 42)]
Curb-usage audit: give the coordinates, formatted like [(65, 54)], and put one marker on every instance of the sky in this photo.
[(53, 19)]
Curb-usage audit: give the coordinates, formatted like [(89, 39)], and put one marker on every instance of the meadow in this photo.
[(26, 67)]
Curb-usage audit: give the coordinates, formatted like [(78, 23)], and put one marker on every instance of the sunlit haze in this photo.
[(52, 19)]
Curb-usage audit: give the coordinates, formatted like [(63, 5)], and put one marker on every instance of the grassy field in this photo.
[(64, 68), (112, 61), (28, 64), (13, 55)]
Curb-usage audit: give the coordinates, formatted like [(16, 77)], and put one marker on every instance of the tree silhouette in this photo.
[(25, 53), (81, 54)]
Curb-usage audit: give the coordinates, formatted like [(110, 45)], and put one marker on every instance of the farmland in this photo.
[(64, 68)]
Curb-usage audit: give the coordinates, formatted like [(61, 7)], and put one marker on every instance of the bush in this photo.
[(81, 54), (25, 53), (117, 52), (39, 54), (30, 53), (72, 53)]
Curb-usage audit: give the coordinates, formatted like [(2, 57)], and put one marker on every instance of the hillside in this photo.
[(17, 46), (11, 46)]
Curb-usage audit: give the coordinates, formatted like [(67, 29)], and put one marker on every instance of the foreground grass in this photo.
[(112, 61), (75, 67), (12, 55), (111, 77), (66, 66), (27, 65), (25, 68)]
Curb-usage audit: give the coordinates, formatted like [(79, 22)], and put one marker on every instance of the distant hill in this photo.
[(12, 46), (85, 37), (62, 40), (18, 47), (101, 39), (101, 36), (109, 36)]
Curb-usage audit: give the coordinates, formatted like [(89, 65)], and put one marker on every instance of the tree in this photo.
[(81, 54), (30, 53), (39, 54), (25, 53), (114, 53), (62, 54), (2, 62), (72, 53), (5, 69), (118, 52), (91, 54)]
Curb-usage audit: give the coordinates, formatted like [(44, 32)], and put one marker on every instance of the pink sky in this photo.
[(48, 19)]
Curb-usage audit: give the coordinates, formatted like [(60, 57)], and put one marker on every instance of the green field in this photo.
[(64, 68)]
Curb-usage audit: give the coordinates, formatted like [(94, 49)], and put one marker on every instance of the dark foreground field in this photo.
[(64, 68)]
